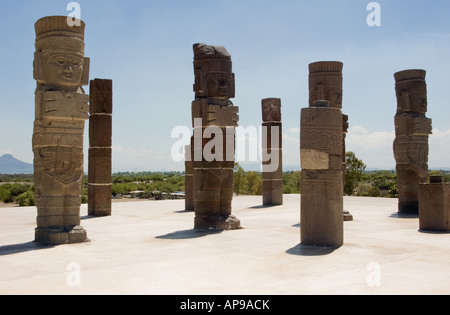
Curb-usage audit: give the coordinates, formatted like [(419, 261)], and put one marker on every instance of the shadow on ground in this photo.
[(404, 215), (263, 206), (187, 234), (307, 250), (20, 248)]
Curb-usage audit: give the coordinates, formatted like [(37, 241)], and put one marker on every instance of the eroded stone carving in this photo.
[(214, 119), (325, 83), (60, 70), (412, 129)]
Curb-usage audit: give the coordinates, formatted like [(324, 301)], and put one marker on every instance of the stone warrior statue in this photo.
[(214, 117), (412, 130), (60, 70), (325, 83)]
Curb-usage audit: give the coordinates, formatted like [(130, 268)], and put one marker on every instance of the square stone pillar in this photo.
[(272, 165), (100, 151), (434, 205)]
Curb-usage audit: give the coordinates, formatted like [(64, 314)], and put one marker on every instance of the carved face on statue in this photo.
[(63, 69), (59, 58), (325, 83), (413, 98), (213, 72), (411, 89), (219, 85)]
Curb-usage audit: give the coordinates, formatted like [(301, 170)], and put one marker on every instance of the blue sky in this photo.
[(145, 47)]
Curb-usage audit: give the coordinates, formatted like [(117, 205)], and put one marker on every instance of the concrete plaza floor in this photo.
[(149, 247)]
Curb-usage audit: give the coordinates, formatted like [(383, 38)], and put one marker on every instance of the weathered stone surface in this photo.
[(271, 110), (100, 151), (272, 154), (434, 206), (412, 132), (101, 194), (60, 70), (214, 118), (325, 83), (322, 179)]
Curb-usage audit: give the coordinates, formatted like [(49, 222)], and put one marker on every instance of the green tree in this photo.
[(5, 194), (254, 183), (291, 182), (238, 174), (354, 169)]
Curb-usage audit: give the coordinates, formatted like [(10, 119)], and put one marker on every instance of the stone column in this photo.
[(214, 119), (272, 169), (325, 83), (189, 180), (321, 183), (100, 152), (434, 205), (412, 130), (60, 70)]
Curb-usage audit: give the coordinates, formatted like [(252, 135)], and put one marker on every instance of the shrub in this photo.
[(26, 199)]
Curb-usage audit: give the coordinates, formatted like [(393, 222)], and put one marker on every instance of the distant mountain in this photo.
[(11, 165)]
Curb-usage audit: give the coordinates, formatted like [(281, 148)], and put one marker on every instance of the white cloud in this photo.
[(439, 149), (374, 149), (6, 151), (295, 130), (360, 138)]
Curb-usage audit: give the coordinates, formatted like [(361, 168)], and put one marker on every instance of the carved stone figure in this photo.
[(100, 152), (322, 178), (325, 83), (60, 69), (214, 119), (272, 171), (412, 132)]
